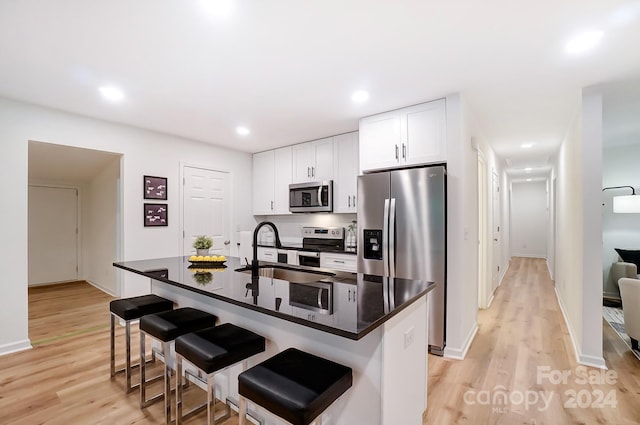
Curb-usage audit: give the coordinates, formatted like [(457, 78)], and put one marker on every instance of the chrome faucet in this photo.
[(254, 262)]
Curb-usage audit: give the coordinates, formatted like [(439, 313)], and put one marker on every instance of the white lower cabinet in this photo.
[(268, 254), (342, 262), (312, 316), (346, 300)]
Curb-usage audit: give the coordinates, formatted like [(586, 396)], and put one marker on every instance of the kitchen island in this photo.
[(373, 324)]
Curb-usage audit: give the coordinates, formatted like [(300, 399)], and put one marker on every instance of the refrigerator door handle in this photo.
[(392, 238), (385, 238)]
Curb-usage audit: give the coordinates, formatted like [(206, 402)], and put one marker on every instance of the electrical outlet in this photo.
[(408, 337)]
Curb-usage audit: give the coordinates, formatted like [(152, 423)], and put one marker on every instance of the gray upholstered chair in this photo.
[(621, 269), (630, 293)]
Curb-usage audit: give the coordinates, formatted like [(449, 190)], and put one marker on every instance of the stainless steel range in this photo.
[(316, 239)]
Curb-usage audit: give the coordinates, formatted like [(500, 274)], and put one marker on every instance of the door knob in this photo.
[(227, 242)]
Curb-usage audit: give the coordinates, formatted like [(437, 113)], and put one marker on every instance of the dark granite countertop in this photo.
[(361, 303)]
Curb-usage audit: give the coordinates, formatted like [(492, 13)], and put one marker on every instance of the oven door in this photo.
[(308, 258), (315, 296), (311, 197)]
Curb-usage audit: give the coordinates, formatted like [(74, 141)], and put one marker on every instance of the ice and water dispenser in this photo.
[(372, 249)]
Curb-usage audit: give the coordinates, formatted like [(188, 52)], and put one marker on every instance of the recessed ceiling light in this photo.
[(528, 180), (527, 145), (243, 131), (111, 93), (528, 169), (360, 96), (218, 8), (583, 42)]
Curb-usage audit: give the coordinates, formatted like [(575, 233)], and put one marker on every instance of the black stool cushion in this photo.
[(136, 307), (169, 325), (295, 385), (216, 348)]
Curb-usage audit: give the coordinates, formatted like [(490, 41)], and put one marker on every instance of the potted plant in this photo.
[(202, 244)]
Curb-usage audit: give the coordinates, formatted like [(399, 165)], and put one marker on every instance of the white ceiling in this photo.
[(287, 68)]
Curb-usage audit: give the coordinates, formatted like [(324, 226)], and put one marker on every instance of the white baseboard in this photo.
[(461, 353), (14, 347), (583, 359), (543, 257), (493, 296), (100, 287), (597, 362)]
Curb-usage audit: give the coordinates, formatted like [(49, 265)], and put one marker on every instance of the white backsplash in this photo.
[(290, 226)]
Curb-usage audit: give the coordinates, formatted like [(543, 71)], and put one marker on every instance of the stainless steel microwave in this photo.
[(314, 296), (311, 197)]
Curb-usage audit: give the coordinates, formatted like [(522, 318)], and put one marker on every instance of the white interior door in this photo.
[(495, 186), (53, 234), (206, 208), (483, 298)]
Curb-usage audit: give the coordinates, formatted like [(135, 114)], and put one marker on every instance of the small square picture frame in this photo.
[(156, 215), (155, 187)]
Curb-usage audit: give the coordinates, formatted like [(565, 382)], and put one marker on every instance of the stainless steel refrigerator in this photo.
[(402, 233)]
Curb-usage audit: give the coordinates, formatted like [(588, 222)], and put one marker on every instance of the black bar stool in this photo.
[(212, 350), (129, 309), (294, 385), (166, 327)]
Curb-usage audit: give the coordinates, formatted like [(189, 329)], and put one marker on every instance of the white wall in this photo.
[(529, 219), (462, 229), (619, 168), (99, 229), (579, 239), (145, 152)]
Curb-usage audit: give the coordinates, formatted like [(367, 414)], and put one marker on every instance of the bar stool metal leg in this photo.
[(143, 370), (167, 383), (128, 366), (113, 345), (242, 411)]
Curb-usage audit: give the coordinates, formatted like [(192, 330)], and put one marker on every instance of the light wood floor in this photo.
[(65, 378), (521, 331)]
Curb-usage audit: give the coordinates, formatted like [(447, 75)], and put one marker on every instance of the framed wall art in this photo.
[(155, 187), (156, 215)]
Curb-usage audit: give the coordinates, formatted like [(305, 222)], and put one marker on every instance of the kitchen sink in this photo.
[(289, 274)]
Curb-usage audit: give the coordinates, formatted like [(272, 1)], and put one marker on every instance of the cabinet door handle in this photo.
[(349, 201), (354, 201), (338, 261), (313, 171), (308, 171), (404, 151), (349, 295), (396, 152), (271, 205)]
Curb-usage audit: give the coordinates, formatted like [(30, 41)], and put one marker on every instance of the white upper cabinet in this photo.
[(263, 182), (313, 161), (271, 179), (405, 137), (283, 173), (345, 172)]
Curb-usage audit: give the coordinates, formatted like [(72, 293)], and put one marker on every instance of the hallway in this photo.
[(521, 367)]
